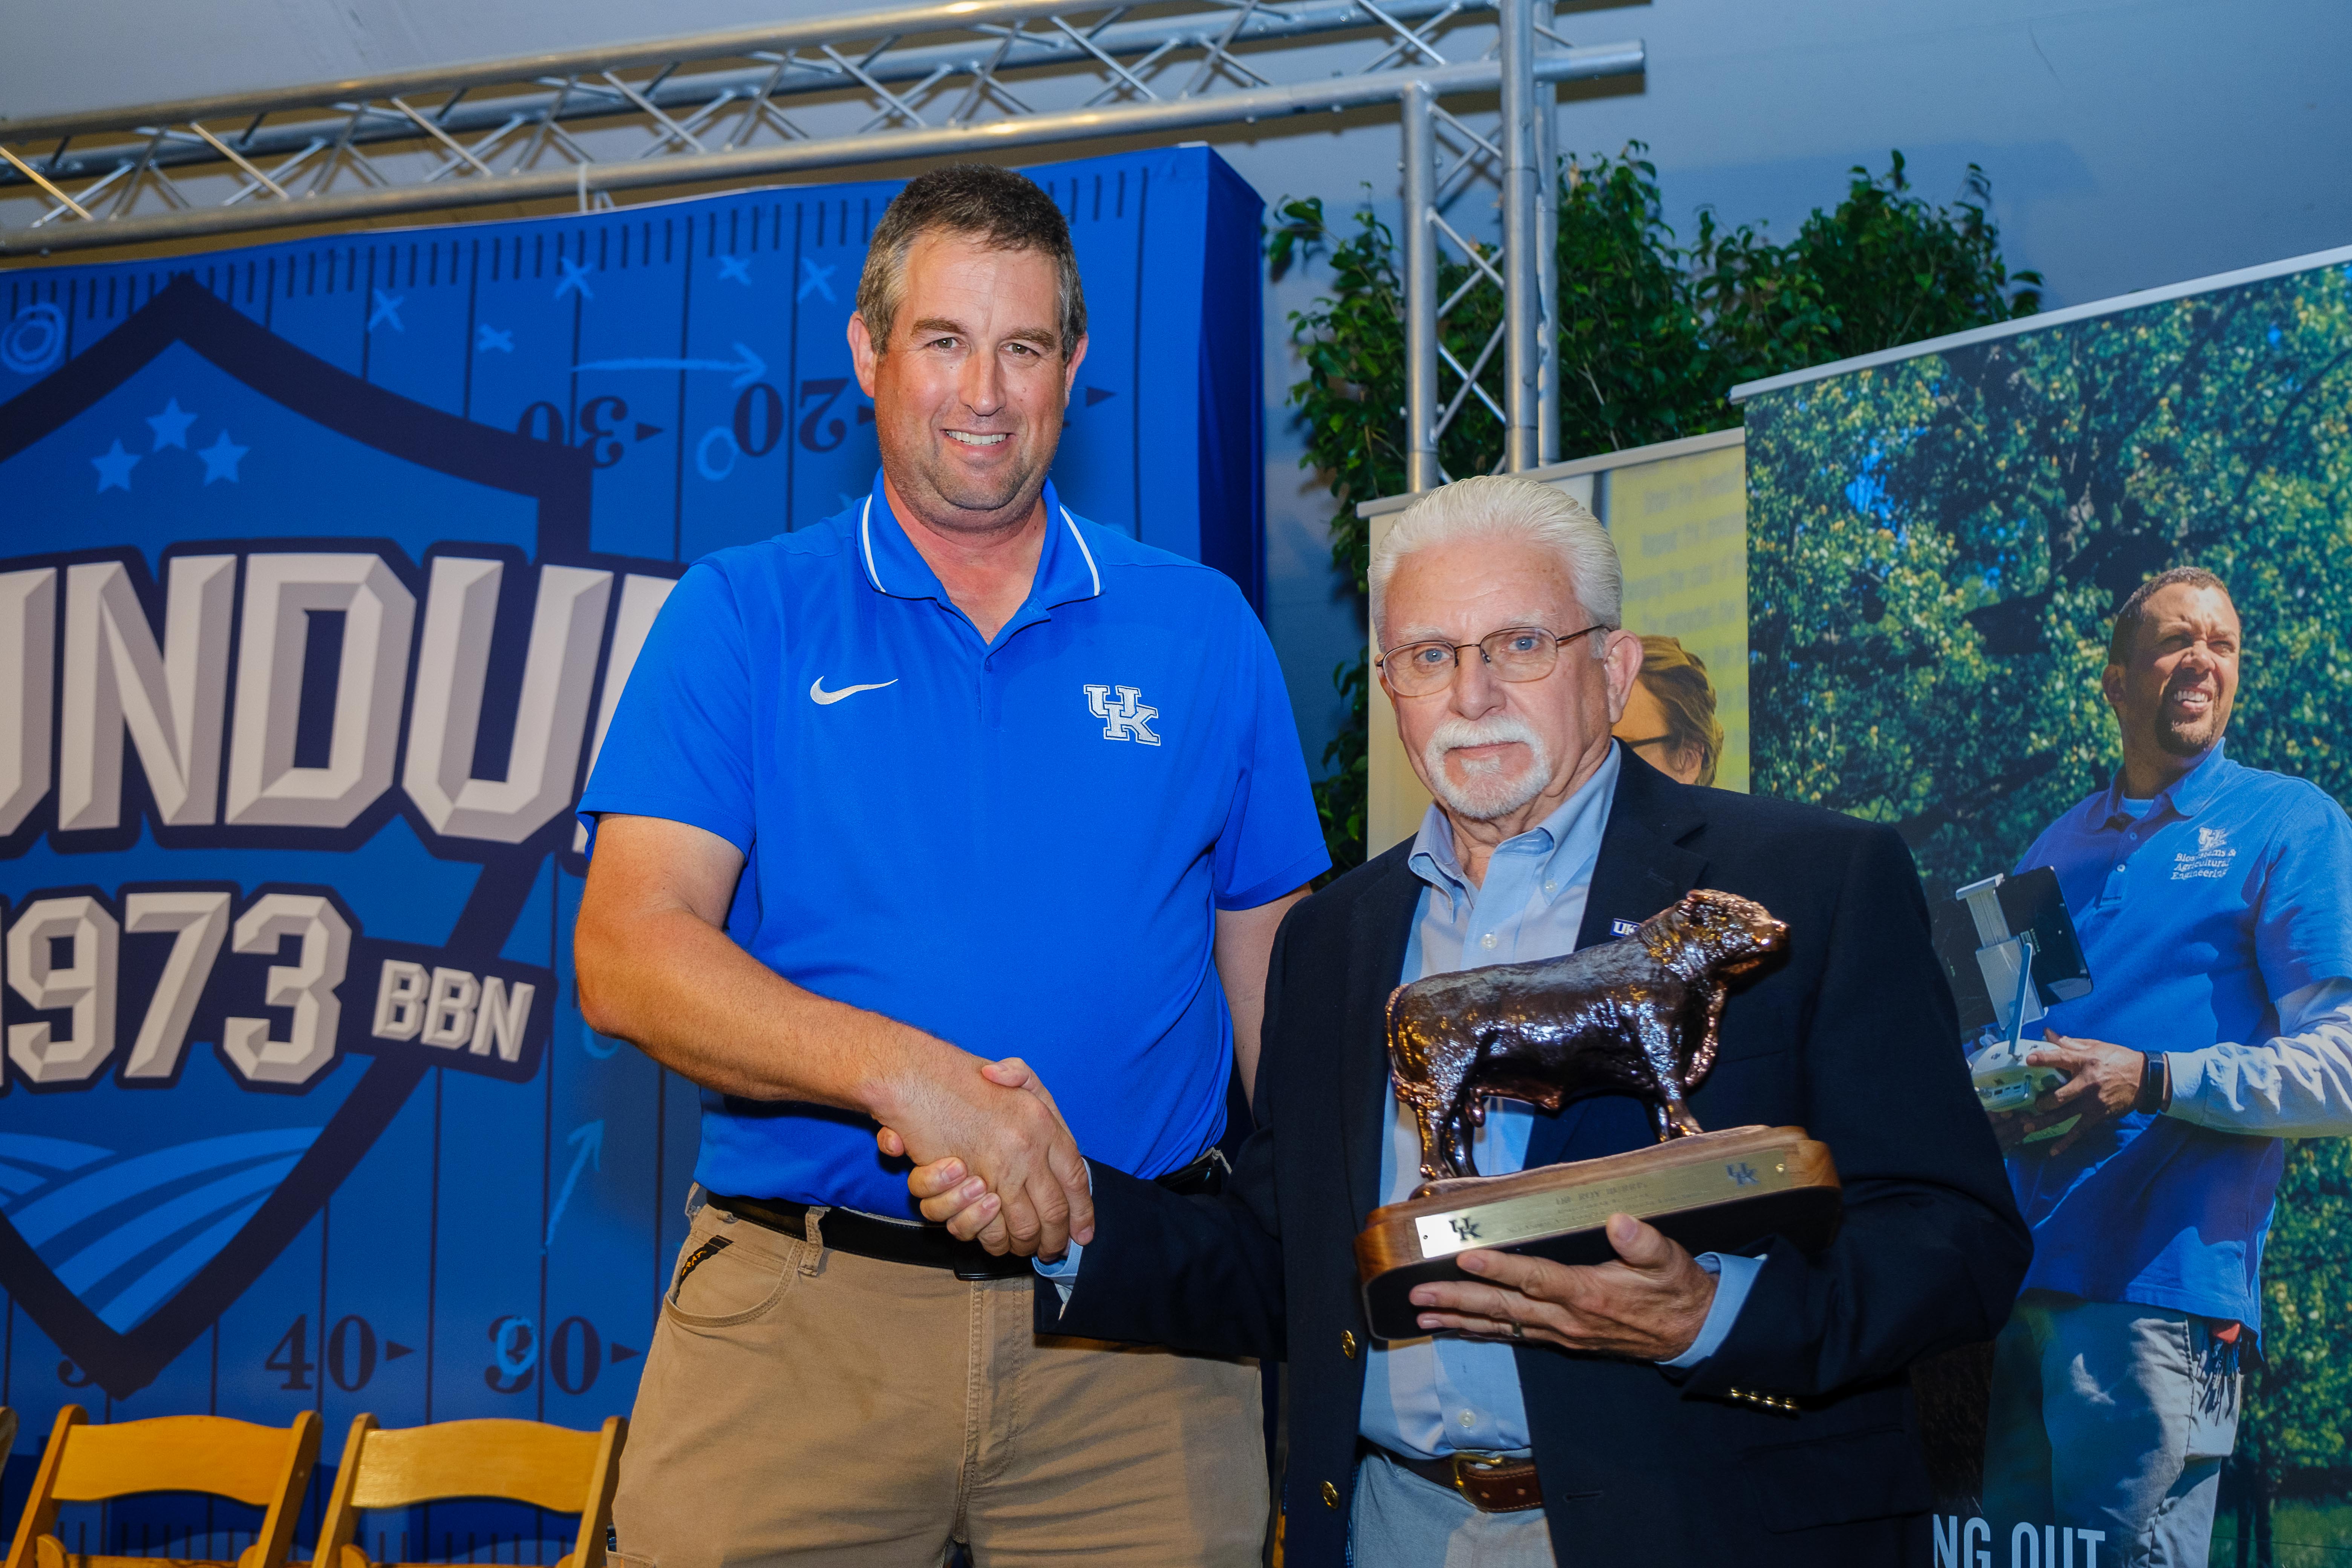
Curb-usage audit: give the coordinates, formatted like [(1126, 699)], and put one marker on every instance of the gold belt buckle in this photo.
[(1470, 1467), (1476, 1463)]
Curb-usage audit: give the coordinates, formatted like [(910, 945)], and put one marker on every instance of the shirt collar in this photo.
[(1067, 569), (2187, 795), (1568, 840)]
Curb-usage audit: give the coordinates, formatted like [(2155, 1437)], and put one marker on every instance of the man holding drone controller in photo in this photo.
[(2212, 902)]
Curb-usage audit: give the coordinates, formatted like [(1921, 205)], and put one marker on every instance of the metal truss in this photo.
[(960, 79), (1441, 152), (965, 78)]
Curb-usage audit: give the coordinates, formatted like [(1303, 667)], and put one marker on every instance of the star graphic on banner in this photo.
[(114, 468), (170, 427), (815, 280), (486, 337), (737, 267), (386, 308), (220, 458)]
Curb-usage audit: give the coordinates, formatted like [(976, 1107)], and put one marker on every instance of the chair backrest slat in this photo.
[(548, 1466), (176, 1453), (263, 1466)]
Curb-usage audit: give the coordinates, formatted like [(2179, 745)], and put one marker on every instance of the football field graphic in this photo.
[(323, 566)]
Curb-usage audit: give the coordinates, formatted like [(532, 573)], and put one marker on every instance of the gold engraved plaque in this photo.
[(1507, 1221), (1712, 1192)]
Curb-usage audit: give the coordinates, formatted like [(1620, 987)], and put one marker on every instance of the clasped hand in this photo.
[(1012, 1190), (1016, 1148), (1649, 1303)]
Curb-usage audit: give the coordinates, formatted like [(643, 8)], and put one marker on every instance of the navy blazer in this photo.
[(1853, 1036)]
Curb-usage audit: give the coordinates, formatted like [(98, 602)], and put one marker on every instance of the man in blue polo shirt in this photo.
[(953, 775), (2212, 901)]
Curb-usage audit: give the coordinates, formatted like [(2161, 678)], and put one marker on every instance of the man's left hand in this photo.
[(1648, 1304)]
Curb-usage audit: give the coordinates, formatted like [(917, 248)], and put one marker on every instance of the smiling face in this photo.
[(1488, 749), (2172, 699), (969, 392)]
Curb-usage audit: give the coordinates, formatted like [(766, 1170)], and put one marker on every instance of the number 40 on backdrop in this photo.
[(324, 565)]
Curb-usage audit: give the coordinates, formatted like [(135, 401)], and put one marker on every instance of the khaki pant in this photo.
[(810, 1406)]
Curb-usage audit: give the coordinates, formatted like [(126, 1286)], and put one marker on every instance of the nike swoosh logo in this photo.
[(822, 698)]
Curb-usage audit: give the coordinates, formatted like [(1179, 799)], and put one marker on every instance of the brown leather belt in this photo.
[(926, 1245), (1491, 1483)]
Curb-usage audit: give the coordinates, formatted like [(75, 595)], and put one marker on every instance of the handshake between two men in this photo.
[(1028, 1192)]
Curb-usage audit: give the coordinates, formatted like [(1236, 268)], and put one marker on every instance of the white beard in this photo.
[(1485, 791)]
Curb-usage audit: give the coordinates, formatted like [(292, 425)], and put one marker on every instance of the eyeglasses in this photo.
[(1514, 653)]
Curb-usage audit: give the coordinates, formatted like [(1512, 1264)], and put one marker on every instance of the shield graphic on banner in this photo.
[(270, 803)]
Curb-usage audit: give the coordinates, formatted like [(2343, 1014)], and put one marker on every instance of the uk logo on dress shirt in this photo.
[(1125, 720)]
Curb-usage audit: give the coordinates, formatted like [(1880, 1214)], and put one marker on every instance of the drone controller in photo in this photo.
[(2009, 948)]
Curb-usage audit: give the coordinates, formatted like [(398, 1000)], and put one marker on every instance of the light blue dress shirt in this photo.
[(1436, 1397)]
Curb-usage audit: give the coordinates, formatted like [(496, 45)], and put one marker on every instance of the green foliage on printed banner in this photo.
[(1652, 335), (1936, 549)]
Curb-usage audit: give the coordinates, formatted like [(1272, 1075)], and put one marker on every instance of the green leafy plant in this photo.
[(1652, 335)]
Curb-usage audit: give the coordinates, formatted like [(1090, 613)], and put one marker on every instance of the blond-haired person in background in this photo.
[(1670, 714)]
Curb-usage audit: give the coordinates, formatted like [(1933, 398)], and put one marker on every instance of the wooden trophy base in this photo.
[(1712, 1192)]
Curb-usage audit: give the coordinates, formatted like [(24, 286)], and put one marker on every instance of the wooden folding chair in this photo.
[(8, 1432), (553, 1467), (267, 1467)]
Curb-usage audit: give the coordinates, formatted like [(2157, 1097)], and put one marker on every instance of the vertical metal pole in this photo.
[(1547, 260), (1420, 472), (1522, 312)]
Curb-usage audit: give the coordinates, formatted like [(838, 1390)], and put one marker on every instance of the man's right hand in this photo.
[(656, 967), (997, 1164)]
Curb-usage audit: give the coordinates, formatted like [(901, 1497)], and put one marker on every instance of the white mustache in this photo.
[(1483, 793), (1456, 734)]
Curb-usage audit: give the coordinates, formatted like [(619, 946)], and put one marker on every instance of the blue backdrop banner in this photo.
[(325, 564)]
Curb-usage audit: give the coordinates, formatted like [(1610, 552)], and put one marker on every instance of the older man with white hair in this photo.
[(1659, 1408)]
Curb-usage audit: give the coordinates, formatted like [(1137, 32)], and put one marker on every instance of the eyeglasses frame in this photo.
[(1557, 642)]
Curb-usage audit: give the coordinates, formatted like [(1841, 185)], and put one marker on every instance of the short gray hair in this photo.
[(1506, 507)]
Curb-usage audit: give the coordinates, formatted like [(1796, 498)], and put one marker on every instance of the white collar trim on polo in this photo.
[(1072, 523), (865, 538)]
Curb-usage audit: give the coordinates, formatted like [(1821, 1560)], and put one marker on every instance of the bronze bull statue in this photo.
[(1635, 1016)]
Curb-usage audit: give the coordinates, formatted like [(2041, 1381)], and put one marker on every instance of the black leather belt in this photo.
[(927, 1246)]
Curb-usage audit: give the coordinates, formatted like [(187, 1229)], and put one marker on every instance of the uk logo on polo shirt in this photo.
[(1125, 717), (275, 809)]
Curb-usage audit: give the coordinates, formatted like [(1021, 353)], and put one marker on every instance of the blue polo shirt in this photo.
[(1015, 845), (2231, 891)]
